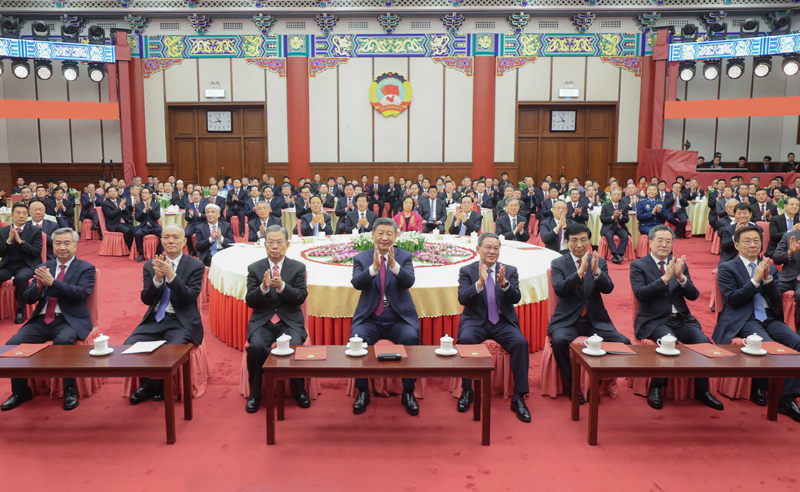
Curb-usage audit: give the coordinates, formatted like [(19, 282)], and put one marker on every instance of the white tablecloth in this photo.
[(698, 215), (596, 226)]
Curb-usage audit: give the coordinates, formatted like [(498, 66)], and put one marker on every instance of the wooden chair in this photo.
[(765, 241)]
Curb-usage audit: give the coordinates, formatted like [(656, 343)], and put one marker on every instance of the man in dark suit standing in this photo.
[(385, 275), (89, 204), (614, 216), (60, 208), (258, 226), (147, 214), (433, 211), (117, 215), (21, 251), (237, 198), (377, 195), (577, 207), (465, 220), (213, 236), (676, 205), (47, 226), (766, 166), (276, 290), (488, 290), (551, 229), (512, 224), (171, 285), (662, 285), (579, 279), (361, 218), (60, 289), (752, 303), (779, 225), (763, 209)]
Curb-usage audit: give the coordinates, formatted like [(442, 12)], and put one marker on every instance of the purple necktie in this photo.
[(382, 275), (491, 300)]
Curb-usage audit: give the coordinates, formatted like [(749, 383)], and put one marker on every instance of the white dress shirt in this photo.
[(157, 283), (219, 234), (272, 269), (682, 284), (494, 274), (588, 268), (58, 267)]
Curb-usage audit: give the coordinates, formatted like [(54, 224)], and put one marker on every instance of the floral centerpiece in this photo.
[(206, 190), (164, 202), (424, 253), (411, 242), (521, 185), (75, 194)]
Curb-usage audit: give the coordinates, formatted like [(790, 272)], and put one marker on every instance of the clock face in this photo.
[(562, 121), (219, 121)]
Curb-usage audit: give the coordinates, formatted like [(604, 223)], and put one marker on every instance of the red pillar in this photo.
[(660, 55), (645, 107), (483, 87), (137, 118), (297, 118), (125, 108)]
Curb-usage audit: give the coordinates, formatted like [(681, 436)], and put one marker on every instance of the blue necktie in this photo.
[(316, 228), (214, 243), (162, 304), (514, 225), (463, 230), (491, 300), (789, 227), (758, 300)]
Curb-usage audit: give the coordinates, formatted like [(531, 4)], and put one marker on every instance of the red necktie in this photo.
[(762, 209), (50, 313), (615, 209), (275, 318), (583, 312), (382, 274), (19, 230), (661, 267)]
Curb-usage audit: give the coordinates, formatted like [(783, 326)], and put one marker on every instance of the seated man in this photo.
[(361, 218), (89, 204), (195, 215), (236, 203), (258, 226), (316, 220), (675, 205), (433, 211), (384, 275), (21, 251), (511, 224), (728, 216), (117, 214), (614, 216), (577, 207), (61, 208), (580, 310), (488, 290), (779, 225), (213, 236), (328, 199), (345, 205), (147, 214), (276, 291), (508, 193), (276, 203), (650, 211), (551, 229), (465, 219), (250, 205), (752, 303), (786, 254), (47, 226), (217, 199), (742, 214), (171, 285), (763, 209), (662, 285)]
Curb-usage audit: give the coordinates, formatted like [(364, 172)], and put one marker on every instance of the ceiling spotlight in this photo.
[(40, 31), (69, 69), (762, 65), (97, 35), (97, 72), (20, 67), (43, 69), (69, 34), (791, 64), (711, 69), (689, 33), (9, 28), (749, 28), (735, 68), (781, 25), (686, 70), (717, 31)]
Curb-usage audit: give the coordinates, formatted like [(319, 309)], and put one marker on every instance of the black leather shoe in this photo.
[(758, 397), (410, 402), (362, 400), (16, 399), (252, 404), (71, 398), (140, 395), (140, 258), (19, 318), (518, 406), (616, 259), (787, 406), (467, 397), (303, 401), (568, 389), (707, 399), (655, 398), (159, 396)]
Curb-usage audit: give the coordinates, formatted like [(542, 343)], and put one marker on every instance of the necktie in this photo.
[(433, 210), (19, 230), (560, 238), (214, 243), (382, 277), (275, 318), (50, 313), (491, 299), (463, 230), (514, 224), (162, 304), (675, 205), (316, 228), (615, 209), (758, 299), (762, 209), (789, 226), (661, 267), (254, 202), (584, 311), (361, 229)]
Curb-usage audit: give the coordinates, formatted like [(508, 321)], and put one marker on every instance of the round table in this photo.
[(595, 226), (698, 215), (332, 300), (488, 219), (289, 219)]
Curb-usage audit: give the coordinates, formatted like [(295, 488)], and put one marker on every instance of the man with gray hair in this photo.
[(212, 237), (511, 224)]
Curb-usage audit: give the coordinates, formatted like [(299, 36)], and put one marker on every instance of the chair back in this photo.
[(44, 248), (16, 197), (93, 301), (717, 294), (765, 240), (551, 295), (102, 219), (3, 224)]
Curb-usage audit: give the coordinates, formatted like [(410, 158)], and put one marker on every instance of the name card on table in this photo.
[(25, 349), (709, 350), (311, 353), (775, 348), (479, 350)]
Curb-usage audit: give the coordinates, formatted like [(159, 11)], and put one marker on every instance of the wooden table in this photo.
[(421, 362), (60, 361), (648, 364)]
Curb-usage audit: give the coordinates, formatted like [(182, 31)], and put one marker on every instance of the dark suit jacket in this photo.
[(583, 217), (456, 198), (474, 224), (149, 218), (351, 220), (287, 305), (544, 209), (237, 206), (791, 264), (670, 202), (113, 214), (607, 216), (328, 201), (307, 230), (574, 294), (689, 195), (769, 205), (737, 299), (218, 201), (184, 289), (250, 208), (487, 201), (199, 217), (67, 212), (277, 204), (503, 228), (476, 304), (548, 235), (425, 209), (777, 228), (397, 289), (86, 203), (627, 201), (301, 208), (371, 191), (727, 251), (769, 168), (30, 249), (341, 206), (255, 224), (203, 234), (71, 293), (712, 205), (657, 298)]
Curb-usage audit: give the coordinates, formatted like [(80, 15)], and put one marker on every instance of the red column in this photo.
[(125, 109), (483, 87), (137, 118), (660, 54), (645, 107), (297, 118)]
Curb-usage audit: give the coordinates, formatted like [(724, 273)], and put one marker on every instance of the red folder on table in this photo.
[(25, 349), (479, 350), (311, 353), (389, 348), (775, 348), (709, 350), (617, 348)]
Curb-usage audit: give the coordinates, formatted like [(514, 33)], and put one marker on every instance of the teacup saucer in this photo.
[(586, 351), (356, 354), (363, 345), (446, 353), (94, 353), (670, 354), (282, 353), (748, 352)]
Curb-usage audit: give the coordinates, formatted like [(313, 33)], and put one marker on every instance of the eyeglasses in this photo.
[(582, 240), (751, 242)]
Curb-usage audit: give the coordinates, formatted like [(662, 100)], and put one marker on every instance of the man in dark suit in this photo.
[(752, 303), (47, 226), (250, 204), (21, 251), (781, 224), (328, 199), (512, 225), (614, 216), (117, 215), (60, 289), (237, 198), (213, 236), (89, 203), (712, 203), (579, 278), (258, 226), (171, 285), (508, 193), (631, 199), (650, 212), (60, 208), (742, 217), (483, 196), (20, 184), (676, 205), (433, 211), (195, 216), (544, 209), (662, 284), (385, 275), (577, 207), (450, 195), (766, 166), (315, 221), (466, 220), (345, 205), (276, 290), (393, 191), (361, 218), (147, 213), (692, 191), (302, 204), (786, 254), (488, 290), (214, 198), (551, 229), (790, 166), (763, 209), (377, 195), (275, 202)]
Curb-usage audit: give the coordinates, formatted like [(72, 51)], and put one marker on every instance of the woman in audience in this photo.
[(408, 219)]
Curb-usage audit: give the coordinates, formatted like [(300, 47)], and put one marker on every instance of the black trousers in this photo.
[(261, 340), (685, 332), (772, 329), (623, 235), (37, 331), (146, 230), (169, 329), (379, 202), (510, 338), (428, 228), (388, 326), (240, 214), (190, 230), (65, 222), (679, 220), (561, 338), (22, 274)]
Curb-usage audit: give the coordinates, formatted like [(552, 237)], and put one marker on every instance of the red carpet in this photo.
[(106, 444)]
